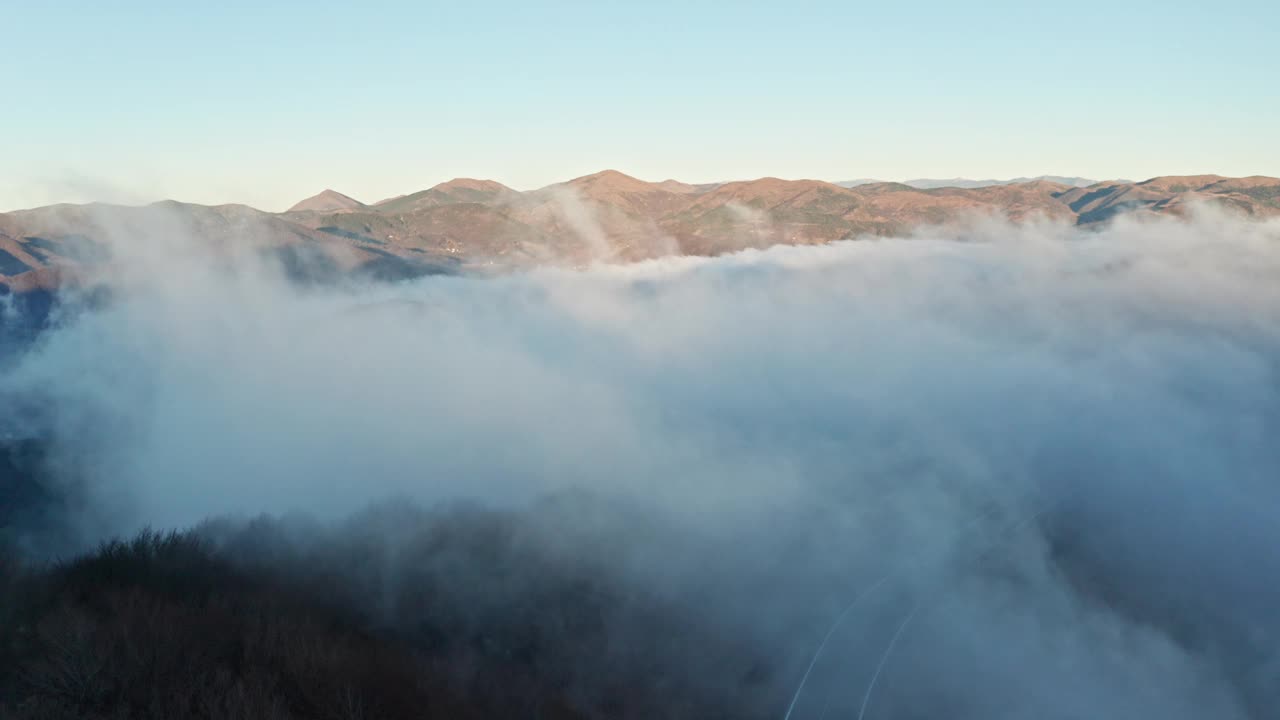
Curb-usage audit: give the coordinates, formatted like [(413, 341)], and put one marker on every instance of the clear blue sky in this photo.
[(265, 103)]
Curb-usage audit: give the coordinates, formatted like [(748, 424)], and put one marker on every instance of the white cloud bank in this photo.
[(1061, 447)]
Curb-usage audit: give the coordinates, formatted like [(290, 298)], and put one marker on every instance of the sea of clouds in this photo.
[(1026, 470)]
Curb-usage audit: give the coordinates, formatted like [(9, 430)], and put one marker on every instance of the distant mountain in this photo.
[(1257, 195), (859, 181), (606, 216), (933, 184), (459, 190), (327, 201), (612, 189), (929, 184)]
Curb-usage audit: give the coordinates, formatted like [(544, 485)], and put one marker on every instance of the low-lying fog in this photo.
[(1042, 464)]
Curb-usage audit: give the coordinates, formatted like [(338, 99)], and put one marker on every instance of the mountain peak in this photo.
[(327, 201), (489, 186), (612, 180), (676, 186), (607, 174)]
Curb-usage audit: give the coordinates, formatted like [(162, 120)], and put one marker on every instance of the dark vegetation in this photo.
[(28, 500), (22, 316), (1267, 194), (398, 613)]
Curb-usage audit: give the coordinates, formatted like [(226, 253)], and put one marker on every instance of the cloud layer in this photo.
[(1047, 456)]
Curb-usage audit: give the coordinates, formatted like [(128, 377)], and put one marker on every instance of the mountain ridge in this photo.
[(935, 183), (605, 216)]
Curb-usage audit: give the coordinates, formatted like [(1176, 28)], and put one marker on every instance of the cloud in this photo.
[(1055, 447), (583, 222), (756, 226)]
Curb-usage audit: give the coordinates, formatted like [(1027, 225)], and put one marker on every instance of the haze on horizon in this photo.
[(265, 105)]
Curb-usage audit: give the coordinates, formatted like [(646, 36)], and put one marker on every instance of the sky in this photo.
[(267, 103)]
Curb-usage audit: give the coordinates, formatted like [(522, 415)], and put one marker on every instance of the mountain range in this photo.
[(935, 183), (468, 224)]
